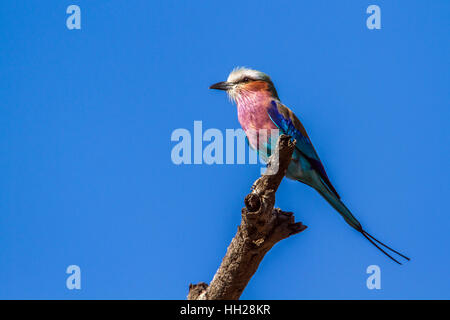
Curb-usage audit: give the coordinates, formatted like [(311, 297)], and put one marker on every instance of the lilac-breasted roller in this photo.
[(259, 108)]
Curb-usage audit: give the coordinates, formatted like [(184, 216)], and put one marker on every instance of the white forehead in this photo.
[(240, 73)]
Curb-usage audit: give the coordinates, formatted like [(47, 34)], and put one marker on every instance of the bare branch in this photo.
[(261, 228)]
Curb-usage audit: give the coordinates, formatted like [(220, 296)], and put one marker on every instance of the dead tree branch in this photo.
[(261, 228)]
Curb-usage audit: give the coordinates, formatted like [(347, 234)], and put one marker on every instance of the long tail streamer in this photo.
[(370, 238)]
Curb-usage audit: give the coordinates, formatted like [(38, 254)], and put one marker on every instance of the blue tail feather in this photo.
[(340, 207)]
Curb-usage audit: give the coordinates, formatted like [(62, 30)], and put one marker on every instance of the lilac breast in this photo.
[(253, 117)]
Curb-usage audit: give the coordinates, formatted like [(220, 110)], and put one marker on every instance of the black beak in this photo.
[(221, 86)]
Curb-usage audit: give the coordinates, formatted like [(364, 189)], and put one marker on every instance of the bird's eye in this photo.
[(246, 79)]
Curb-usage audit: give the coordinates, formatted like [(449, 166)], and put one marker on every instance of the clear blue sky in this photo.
[(85, 123)]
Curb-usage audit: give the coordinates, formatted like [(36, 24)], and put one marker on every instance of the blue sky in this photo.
[(86, 118)]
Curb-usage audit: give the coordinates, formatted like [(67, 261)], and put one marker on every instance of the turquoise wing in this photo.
[(289, 124)]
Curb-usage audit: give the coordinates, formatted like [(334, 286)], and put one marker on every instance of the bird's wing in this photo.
[(289, 124)]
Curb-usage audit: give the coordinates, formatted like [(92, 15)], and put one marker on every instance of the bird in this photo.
[(259, 109)]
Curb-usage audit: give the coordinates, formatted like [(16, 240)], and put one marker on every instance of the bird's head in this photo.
[(243, 82)]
